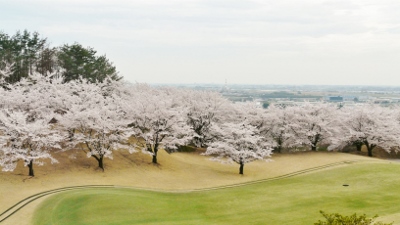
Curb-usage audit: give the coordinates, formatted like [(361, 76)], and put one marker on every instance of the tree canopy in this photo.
[(22, 51), (80, 62), (26, 53)]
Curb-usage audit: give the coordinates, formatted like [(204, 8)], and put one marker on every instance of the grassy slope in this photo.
[(178, 171), (295, 200)]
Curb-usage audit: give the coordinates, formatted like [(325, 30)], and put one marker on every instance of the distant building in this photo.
[(335, 98)]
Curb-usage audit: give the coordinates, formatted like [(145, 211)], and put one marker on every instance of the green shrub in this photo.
[(337, 219)]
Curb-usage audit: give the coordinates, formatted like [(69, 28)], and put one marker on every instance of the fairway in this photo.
[(373, 189)]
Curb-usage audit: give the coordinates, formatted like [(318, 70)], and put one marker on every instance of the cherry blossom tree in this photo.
[(240, 143), (27, 117), (312, 124), (95, 120), (26, 136), (278, 127), (368, 125), (157, 120), (204, 109), (41, 94), (5, 72), (247, 111)]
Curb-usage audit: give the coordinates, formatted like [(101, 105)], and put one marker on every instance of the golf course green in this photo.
[(369, 187)]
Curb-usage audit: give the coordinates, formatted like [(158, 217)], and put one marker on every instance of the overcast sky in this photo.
[(354, 42)]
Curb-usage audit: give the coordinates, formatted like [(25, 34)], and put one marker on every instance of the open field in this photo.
[(188, 171)]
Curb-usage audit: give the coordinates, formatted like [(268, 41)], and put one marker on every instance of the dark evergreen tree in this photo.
[(22, 52), (27, 53), (78, 61)]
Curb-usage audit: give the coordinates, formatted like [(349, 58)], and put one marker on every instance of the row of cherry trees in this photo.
[(40, 116)]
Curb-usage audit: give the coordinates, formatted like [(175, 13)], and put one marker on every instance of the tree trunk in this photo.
[(358, 146), (241, 168), (315, 142), (155, 154), (30, 166), (278, 148), (154, 158), (369, 151), (101, 163), (370, 147), (99, 160)]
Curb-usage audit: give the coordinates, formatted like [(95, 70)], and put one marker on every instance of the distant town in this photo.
[(298, 94)]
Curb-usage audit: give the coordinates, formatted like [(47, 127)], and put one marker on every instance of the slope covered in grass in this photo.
[(177, 171), (373, 189)]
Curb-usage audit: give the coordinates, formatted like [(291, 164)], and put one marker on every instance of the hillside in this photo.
[(177, 171)]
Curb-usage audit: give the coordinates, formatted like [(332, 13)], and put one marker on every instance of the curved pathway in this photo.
[(21, 204)]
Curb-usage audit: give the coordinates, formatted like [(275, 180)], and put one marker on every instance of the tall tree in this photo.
[(28, 111), (47, 62), (204, 109), (312, 124), (28, 53), (21, 50), (157, 120), (368, 125), (78, 61), (278, 127), (94, 120)]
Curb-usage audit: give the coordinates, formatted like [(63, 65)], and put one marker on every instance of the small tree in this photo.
[(337, 219), (240, 143)]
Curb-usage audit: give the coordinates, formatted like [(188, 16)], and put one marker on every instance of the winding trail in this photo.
[(24, 202)]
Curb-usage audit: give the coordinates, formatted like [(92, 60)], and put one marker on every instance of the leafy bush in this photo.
[(337, 219)]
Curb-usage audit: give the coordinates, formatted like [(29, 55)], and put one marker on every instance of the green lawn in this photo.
[(373, 189)]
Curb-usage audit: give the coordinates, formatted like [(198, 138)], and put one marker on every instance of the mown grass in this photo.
[(373, 189)]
